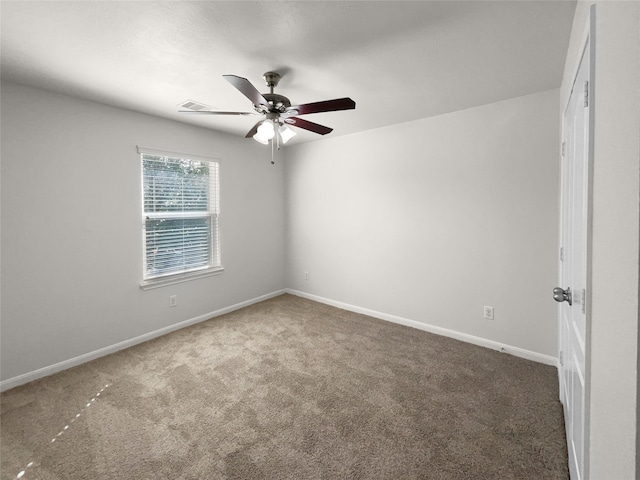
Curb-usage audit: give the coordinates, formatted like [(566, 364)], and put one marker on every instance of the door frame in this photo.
[(587, 41)]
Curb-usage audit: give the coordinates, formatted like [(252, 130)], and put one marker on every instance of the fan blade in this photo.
[(211, 112), (307, 125), (325, 106), (247, 89), (253, 131)]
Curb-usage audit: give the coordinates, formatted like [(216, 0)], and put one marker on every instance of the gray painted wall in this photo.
[(432, 219), (72, 231)]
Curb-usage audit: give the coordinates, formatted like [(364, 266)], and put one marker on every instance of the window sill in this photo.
[(179, 278)]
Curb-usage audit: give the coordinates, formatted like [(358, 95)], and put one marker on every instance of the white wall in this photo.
[(71, 227), (432, 219), (613, 370)]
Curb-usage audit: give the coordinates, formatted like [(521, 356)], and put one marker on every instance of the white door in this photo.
[(572, 293)]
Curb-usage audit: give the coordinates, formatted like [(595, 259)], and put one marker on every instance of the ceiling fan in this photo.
[(278, 111)]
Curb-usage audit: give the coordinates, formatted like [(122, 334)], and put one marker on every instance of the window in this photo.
[(179, 217)]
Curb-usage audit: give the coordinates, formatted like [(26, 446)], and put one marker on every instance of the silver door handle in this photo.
[(560, 295)]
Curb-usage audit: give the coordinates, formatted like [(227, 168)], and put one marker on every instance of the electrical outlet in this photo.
[(488, 313), (173, 300), (306, 275)]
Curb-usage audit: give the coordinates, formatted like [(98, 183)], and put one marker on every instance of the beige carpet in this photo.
[(290, 389)]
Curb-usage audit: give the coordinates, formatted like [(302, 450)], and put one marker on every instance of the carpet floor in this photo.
[(289, 389)]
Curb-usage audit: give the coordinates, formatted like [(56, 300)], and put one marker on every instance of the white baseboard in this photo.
[(483, 342), (72, 362)]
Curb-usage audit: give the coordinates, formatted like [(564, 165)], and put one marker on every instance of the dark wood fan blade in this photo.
[(325, 106), (307, 125), (253, 131), (247, 89), (211, 112)]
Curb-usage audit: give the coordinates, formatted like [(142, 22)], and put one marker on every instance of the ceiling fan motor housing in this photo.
[(277, 103)]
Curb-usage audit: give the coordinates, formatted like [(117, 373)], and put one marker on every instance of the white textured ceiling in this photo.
[(399, 61)]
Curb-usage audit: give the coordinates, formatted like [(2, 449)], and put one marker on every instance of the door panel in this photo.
[(573, 266)]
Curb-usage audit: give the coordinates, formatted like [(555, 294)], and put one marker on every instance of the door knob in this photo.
[(560, 295)]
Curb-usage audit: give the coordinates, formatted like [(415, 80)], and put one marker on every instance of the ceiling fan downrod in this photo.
[(271, 79)]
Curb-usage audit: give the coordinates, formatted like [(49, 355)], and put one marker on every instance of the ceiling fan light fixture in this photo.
[(286, 133), (262, 140), (266, 130)]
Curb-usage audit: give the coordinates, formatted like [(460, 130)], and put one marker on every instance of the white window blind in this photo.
[(180, 216)]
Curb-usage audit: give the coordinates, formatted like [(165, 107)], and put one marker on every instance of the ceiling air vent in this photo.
[(195, 106)]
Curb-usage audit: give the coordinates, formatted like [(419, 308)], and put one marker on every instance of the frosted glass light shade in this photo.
[(266, 130), (262, 140), (286, 133)]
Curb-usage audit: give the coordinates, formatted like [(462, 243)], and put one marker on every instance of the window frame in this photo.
[(214, 266)]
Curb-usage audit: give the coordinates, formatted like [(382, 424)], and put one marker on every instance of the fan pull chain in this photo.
[(272, 153)]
